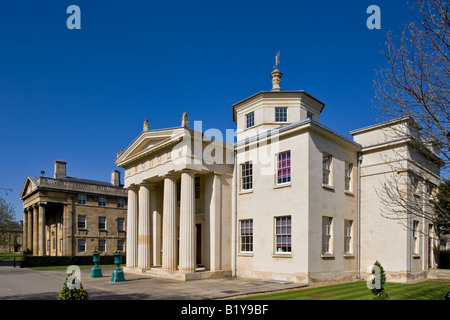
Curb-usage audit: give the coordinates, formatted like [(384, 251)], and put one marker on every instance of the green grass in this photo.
[(424, 290)]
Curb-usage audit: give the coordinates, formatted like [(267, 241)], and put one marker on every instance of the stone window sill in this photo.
[(327, 256), (282, 255), (327, 187)]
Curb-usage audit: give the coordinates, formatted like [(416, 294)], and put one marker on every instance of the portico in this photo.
[(177, 227)]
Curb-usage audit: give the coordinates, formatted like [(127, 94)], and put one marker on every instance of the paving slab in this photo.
[(26, 284)]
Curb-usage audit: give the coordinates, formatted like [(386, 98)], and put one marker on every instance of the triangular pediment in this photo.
[(29, 186), (147, 142)]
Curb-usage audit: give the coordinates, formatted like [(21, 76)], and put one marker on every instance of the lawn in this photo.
[(424, 290)]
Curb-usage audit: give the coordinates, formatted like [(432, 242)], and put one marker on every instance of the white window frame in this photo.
[(121, 203), (327, 235), (82, 199), (250, 120), (327, 169), (246, 239), (120, 224), (281, 114), (81, 245), (288, 181), (283, 232), (348, 233), (84, 222), (101, 223), (246, 173), (100, 247), (121, 247), (348, 171), (102, 201)]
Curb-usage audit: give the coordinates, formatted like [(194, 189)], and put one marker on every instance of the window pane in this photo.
[(246, 235), (283, 234), (284, 167), (281, 114), (250, 118), (247, 176)]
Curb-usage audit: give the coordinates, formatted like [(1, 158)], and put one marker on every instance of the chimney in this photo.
[(115, 178), (60, 169)]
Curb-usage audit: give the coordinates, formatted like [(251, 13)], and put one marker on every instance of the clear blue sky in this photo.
[(79, 95)]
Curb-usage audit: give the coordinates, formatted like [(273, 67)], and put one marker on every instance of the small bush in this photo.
[(74, 293), (380, 293)]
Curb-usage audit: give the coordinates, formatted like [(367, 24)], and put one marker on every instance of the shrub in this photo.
[(380, 293), (74, 293)]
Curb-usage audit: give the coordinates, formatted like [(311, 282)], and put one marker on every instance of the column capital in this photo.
[(133, 187), (42, 203)]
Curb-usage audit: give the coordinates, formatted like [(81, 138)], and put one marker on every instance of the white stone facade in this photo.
[(290, 200)]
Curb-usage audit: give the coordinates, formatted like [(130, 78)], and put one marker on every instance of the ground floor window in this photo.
[(81, 245), (283, 234), (247, 235), (102, 245), (327, 234), (121, 245)]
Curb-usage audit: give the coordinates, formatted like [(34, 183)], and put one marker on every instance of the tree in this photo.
[(442, 207), (416, 81), (415, 86), (7, 224)]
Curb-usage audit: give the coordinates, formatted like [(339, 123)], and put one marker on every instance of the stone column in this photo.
[(215, 224), (132, 227), (169, 259), (156, 228), (42, 232), (25, 231), (29, 243), (187, 223), (35, 229), (144, 236)]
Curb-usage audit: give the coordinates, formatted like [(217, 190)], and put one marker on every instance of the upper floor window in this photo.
[(280, 114), (121, 203), (81, 222), (120, 224), (102, 223), (82, 199), (197, 187), (247, 176), (326, 167), (348, 175), (284, 167), (102, 201), (250, 119)]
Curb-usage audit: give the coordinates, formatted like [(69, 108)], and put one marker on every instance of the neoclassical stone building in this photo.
[(289, 199), (64, 215)]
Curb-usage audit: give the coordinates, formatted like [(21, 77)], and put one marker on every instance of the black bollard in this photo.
[(14, 262), (447, 296)]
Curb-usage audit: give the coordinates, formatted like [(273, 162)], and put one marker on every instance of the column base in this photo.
[(178, 275)]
